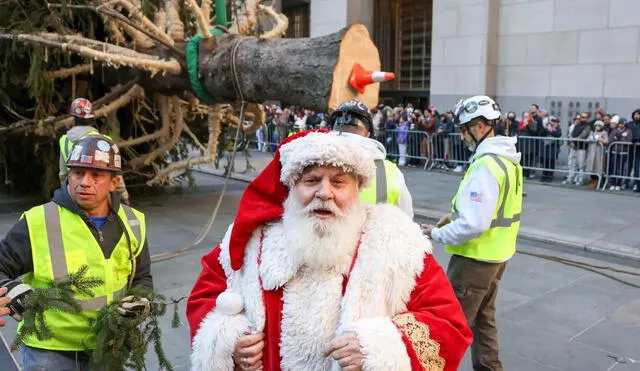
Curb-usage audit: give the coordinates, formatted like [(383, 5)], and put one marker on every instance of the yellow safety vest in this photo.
[(385, 187), (61, 243), (498, 243), (66, 145)]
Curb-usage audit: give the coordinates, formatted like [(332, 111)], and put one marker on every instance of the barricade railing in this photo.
[(447, 150), (622, 166), (407, 147), (616, 164)]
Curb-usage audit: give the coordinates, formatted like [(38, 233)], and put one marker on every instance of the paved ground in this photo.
[(550, 316)]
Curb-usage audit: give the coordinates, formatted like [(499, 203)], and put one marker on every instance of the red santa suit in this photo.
[(389, 289)]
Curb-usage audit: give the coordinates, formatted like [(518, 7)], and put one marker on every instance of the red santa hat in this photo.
[(263, 199)]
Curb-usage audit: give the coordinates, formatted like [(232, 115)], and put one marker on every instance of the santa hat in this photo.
[(263, 199)]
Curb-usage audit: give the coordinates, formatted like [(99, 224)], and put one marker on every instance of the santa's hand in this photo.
[(346, 350), (247, 353)]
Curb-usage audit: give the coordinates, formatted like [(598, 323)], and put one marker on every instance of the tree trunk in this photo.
[(311, 73)]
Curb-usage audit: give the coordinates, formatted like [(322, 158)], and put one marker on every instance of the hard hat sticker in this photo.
[(86, 159), (75, 154), (101, 156), (103, 145), (115, 149), (116, 161)]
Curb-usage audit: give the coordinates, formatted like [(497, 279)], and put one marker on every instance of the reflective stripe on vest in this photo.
[(498, 243), (385, 187), (61, 242)]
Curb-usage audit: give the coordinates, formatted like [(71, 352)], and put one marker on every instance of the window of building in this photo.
[(402, 31)]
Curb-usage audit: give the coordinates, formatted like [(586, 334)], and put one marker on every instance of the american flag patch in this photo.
[(476, 197)]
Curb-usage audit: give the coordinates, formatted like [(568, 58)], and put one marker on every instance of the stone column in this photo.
[(464, 54), (329, 16)]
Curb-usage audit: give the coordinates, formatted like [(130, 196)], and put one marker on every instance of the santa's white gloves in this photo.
[(132, 306), (18, 292)]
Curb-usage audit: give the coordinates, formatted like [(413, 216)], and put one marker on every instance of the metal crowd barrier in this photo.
[(406, 148), (614, 165), (622, 166)]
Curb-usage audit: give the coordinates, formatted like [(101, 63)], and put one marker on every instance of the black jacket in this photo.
[(15, 249)]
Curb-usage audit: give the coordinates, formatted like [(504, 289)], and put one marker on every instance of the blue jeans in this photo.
[(34, 359)]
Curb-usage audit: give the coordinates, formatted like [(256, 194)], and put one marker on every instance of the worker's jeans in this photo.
[(34, 359), (476, 285)]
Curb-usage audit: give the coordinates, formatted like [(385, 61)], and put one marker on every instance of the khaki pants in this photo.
[(476, 286)]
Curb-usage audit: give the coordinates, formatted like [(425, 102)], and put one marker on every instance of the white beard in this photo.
[(318, 243)]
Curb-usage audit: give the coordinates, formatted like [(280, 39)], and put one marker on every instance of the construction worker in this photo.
[(80, 226), (482, 232), (353, 119), (82, 111)]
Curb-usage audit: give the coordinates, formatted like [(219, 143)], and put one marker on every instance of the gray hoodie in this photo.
[(475, 215)]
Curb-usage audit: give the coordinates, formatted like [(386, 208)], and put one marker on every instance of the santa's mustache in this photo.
[(318, 204)]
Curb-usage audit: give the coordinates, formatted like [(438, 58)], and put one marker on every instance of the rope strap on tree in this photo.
[(193, 47)]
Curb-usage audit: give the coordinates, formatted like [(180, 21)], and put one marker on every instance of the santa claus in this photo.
[(309, 278)]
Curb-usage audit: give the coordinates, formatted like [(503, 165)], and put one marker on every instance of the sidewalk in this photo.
[(583, 219)]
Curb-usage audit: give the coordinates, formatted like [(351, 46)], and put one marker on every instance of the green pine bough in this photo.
[(58, 295), (121, 342)]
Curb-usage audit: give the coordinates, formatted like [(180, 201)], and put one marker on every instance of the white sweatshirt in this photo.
[(478, 199), (378, 152)]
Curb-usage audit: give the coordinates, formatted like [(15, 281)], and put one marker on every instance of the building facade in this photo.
[(566, 55)]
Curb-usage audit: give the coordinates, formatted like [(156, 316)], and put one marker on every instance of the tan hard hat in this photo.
[(96, 152)]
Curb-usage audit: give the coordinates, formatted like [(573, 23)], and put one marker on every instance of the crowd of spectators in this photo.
[(599, 145)]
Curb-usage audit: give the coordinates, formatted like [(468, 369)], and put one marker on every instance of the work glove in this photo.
[(18, 292), (132, 306)]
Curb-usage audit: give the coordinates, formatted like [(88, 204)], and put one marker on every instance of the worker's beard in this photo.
[(322, 243)]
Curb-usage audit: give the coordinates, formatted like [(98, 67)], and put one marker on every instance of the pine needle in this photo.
[(57, 296)]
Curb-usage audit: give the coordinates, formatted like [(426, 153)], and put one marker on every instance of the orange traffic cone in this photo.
[(360, 77)]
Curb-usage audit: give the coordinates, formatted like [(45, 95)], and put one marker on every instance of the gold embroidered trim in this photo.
[(427, 349)]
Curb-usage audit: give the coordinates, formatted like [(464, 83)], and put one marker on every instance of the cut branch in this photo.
[(66, 72), (163, 103), (212, 150), (203, 25), (177, 130), (144, 41), (281, 22), (148, 62), (134, 92), (30, 124), (175, 27), (247, 17), (136, 14)]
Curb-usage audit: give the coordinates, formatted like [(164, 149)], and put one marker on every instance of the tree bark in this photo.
[(311, 73)]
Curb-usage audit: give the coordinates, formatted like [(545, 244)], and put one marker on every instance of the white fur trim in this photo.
[(381, 344), (325, 149), (215, 340), (389, 261), (229, 303), (310, 314)]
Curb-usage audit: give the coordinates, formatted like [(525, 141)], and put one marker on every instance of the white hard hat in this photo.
[(615, 119), (478, 106)]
